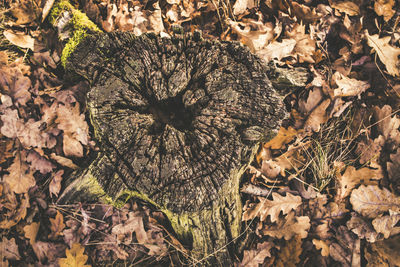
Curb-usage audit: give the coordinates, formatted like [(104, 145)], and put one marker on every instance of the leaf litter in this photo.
[(324, 191)]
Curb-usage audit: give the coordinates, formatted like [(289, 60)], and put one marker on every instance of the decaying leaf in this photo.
[(388, 249), (288, 227), (9, 249), (393, 166), (283, 137), (362, 228), (348, 7), (272, 208), (384, 8), (313, 99), (64, 161), (277, 50), (323, 246), (387, 54), (353, 177), (318, 116), (289, 255), (387, 224), (305, 45), (254, 257), (20, 177), (13, 209), (75, 257), (371, 201), (55, 184), (31, 231), (57, 226), (48, 251), (388, 124)]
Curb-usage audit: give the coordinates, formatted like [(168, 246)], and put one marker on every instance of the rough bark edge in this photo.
[(64, 15)]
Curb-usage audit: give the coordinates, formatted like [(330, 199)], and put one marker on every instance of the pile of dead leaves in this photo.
[(325, 191)]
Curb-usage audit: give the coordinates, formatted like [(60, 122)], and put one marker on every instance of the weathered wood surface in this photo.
[(177, 121)]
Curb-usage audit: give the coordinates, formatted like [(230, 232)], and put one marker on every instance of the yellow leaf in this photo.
[(387, 54), (57, 225), (75, 257), (321, 245), (283, 137), (31, 231), (384, 8)]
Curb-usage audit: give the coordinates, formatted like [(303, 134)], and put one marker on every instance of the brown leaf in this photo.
[(9, 249), (387, 123), (75, 257), (31, 231), (348, 86), (348, 7), (388, 250), (352, 177), (387, 224), (323, 246), (72, 147), (277, 50), (254, 257), (362, 228), (387, 54), (288, 227), (313, 99), (5, 149), (384, 8), (39, 163), (48, 252), (11, 123), (20, 39), (26, 11), (272, 208), (393, 167), (371, 201), (64, 161), (55, 184), (318, 116), (289, 255), (369, 150), (305, 45), (57, 226), (20, 177), (13, 209)]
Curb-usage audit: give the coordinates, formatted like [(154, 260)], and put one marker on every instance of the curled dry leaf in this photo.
[(371, 201), (39, 163), (272, 208), (348, 86), (254, 257), (384, 8), (393, 167), (55, 184), (30, 231), (352, 177), (20, 39), (20, 177), (323, 246), (362, 228), (48, 252), (75, 257), (64, 161), (288, 227), (387, 53), (387, 224)]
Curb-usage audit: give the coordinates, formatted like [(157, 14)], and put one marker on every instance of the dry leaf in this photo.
[(30, 232), (305, 45), (39, 163), (318, 116), (272, 208), (352, 177), (20, 177), (388, 250), (277, 50), (393, 167), (48, 252), (20, 39), (387, 224), (254, 257), (9, 249), (369, 150), (362, 228), (64, 161), (371, 201), (75, 257), (288, 227), (386, 53), (26, 11), (55, 184), (57, 226), (348, 86), (289, 255), (283, 137), (348, 7), (313, 99), (384, 8), (388, 123), (241, 6), (323, 246), (13, 209)]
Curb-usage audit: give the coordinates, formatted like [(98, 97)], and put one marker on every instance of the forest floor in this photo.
[(324, 192)]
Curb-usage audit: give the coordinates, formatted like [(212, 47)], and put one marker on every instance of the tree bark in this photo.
[(177, 121)]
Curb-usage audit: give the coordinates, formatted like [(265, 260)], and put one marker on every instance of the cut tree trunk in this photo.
[(177, 120)]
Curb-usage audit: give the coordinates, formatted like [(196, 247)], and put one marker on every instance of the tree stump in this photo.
[(177, 121)]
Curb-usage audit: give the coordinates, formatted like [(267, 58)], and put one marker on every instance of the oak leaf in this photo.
[(288, 227), (283, 137), (26, 11), (55, 184), (254, 257), (387, 123), (57, 226), (48, 251), (323, 246), (387, 224), (9, 249), (64, 161), (387, 53), (362, 228), (272, 208), (241, 6), (384, 8), (75, 257), (318, 116), (39, 163), (371, 201), (20, 177), (305, 45), (314, 98), (289, 255), (352, 177), (277, 50), (348, 86), (348, 7), (13, 209), (30, 231)]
